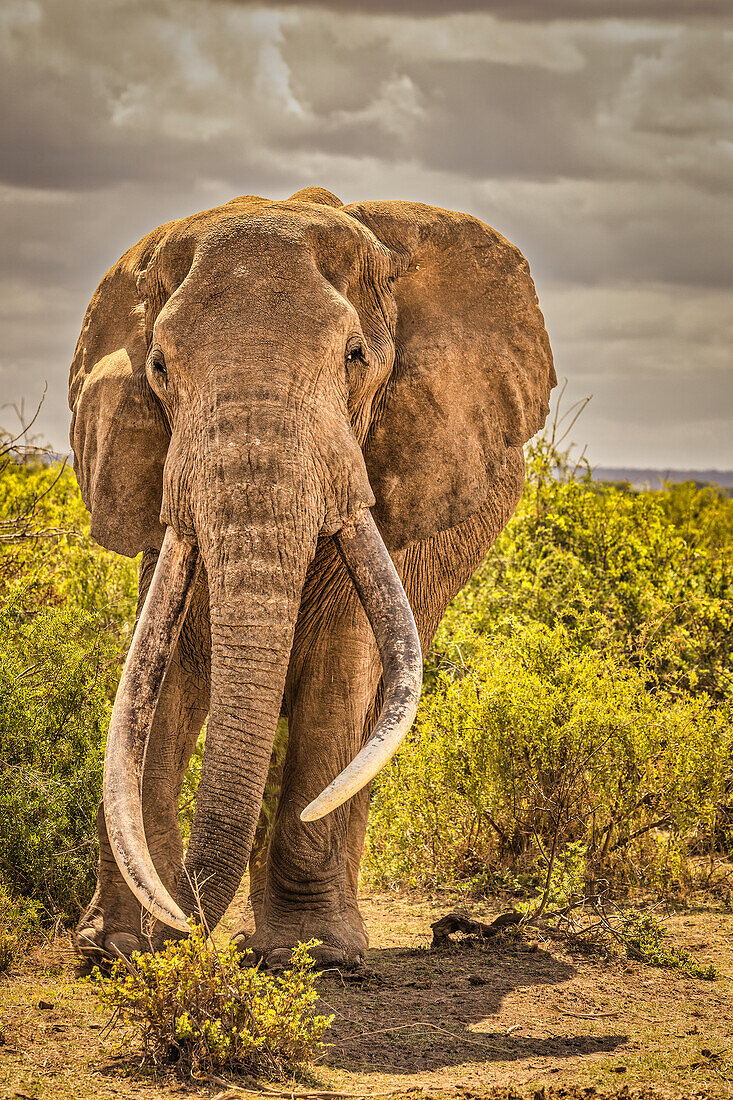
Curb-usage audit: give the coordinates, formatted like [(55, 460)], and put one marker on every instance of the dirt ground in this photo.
[(499, 1020)]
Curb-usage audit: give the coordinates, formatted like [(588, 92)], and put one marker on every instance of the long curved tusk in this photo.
[(384, 600), (148, 658)]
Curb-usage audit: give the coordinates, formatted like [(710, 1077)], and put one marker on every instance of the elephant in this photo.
[(308, 418)]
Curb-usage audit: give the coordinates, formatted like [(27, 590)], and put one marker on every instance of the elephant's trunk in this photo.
[(257, 545)]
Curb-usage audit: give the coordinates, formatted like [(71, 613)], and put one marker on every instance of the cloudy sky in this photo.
[(598, 136)]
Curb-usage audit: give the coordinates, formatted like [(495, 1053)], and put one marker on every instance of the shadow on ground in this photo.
[(420, 1010)]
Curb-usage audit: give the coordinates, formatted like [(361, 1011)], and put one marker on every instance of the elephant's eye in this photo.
[(355, 354), (157, 366)]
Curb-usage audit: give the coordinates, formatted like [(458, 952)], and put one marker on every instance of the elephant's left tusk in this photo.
[(151, 650), (383, 598)]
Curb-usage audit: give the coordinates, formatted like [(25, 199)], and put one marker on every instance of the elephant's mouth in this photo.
[(385, 603)]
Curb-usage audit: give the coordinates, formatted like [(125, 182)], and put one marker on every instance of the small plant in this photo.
[(597, 925), (642, 935), (198, 1010)]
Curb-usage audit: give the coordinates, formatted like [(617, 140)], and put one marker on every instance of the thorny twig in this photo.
[(10, 445)]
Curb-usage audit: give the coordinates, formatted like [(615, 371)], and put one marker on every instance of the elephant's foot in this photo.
[(114, 923), (110, 927), (343, 940)]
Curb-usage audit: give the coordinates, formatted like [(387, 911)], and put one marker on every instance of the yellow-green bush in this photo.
[(535, 742), (45, 545), (200, 1010), (55, 674), (645, 576), (644, 938), (579, 687)]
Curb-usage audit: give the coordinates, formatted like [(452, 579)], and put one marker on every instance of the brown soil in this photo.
[(501, 1020)]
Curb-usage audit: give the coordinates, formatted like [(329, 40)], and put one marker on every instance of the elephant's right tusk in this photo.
[(149, 656), (383, 598)]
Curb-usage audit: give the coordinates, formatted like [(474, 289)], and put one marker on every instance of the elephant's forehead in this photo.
[(251, 279), (281, 263), (288, 232)]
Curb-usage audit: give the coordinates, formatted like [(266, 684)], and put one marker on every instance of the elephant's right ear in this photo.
[(118, 432), (472, 370)]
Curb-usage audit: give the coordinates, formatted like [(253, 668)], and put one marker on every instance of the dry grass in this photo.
[(466, 1021)]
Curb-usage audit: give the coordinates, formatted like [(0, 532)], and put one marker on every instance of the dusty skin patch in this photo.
[(503, 1020)]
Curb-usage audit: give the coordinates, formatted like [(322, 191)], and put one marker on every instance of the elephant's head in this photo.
[(257, 377)]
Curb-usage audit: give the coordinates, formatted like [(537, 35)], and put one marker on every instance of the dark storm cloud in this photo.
[(54, 136), (603, 147), (531, 103)]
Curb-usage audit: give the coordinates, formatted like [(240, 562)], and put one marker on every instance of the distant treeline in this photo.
[(639, 477)]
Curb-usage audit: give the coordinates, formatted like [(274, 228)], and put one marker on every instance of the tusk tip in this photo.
[(179, 923), (313, 811), (169, 913)]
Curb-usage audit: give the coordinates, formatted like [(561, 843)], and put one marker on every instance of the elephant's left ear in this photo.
[(118, 431), (473, 368)]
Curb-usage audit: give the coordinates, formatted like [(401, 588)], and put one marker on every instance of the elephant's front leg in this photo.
[(309, 890), (113, 921)]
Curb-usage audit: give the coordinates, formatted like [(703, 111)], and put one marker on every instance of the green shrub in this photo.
[(54, 710), (577, 699), (536, 746), (19, 924), (200, 1010), (45, 544), (66, 610)]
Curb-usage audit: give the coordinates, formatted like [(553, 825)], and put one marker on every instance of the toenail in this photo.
[(278, 958), (121, 943)]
